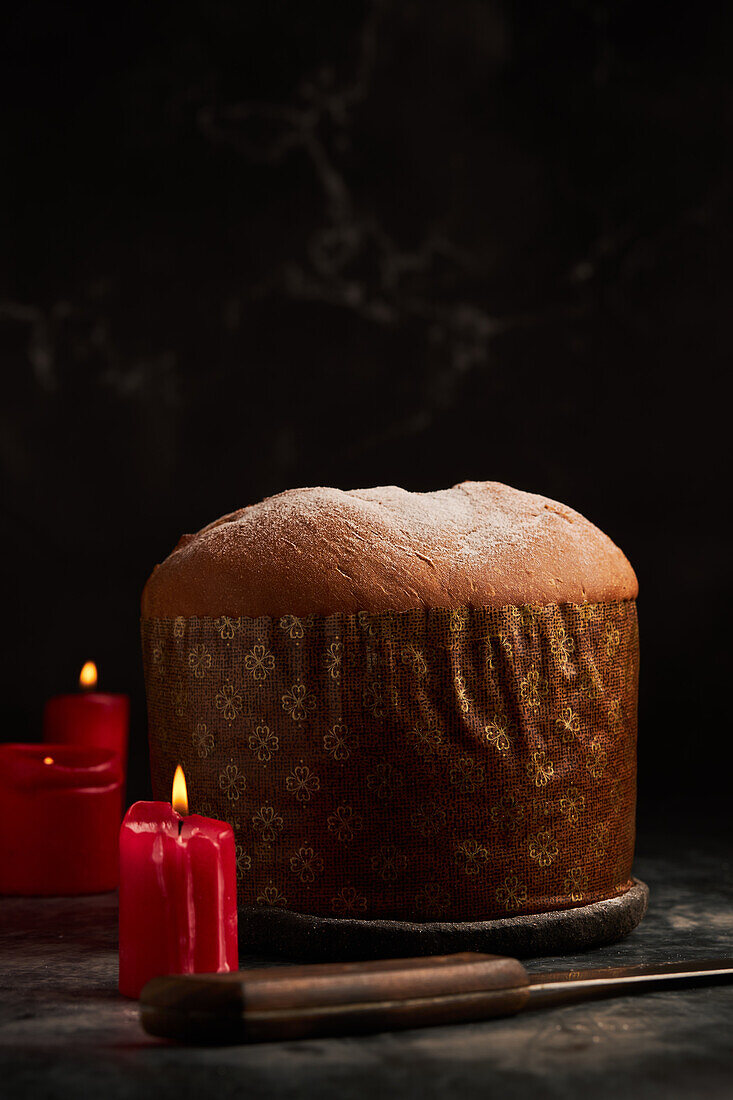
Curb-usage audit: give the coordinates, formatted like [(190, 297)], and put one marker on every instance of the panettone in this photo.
[(408, 705)]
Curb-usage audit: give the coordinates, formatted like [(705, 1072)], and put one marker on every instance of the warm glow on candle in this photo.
[(179, 799), (48, 760), (88, 676)]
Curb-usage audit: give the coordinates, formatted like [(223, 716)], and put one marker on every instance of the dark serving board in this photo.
[(302, 936)]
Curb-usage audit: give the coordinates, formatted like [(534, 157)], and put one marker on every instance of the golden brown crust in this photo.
[(318, 551)]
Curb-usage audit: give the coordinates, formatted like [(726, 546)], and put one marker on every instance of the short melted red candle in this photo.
[(89, 717), (60, 809), (178, 895)]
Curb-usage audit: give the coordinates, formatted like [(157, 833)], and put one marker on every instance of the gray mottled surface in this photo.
[(65, 1032)]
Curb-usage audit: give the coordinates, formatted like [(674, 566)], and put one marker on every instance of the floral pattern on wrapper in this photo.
[(445, 764)]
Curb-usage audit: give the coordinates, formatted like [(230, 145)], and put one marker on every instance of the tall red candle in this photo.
[(89, 717), (178, 895), (60, 808)]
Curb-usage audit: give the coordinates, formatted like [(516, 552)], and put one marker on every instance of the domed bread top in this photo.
[(318, 551)]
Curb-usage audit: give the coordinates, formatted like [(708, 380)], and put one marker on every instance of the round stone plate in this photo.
[(302, 936)]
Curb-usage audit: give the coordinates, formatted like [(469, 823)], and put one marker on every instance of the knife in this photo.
[(301, 1002)]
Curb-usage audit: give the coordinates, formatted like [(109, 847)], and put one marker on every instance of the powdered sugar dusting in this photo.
[(318, 550), (474, 520)]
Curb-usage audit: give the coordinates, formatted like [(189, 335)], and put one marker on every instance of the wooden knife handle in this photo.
[(299, 1002)]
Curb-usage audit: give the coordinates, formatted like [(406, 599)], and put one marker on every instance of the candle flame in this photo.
[(48, 760), (88, 676), (179, 798)]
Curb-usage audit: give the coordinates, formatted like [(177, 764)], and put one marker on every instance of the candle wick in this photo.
[(180, 825)]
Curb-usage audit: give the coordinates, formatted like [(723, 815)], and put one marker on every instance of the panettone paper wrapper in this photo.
[(425, 765)]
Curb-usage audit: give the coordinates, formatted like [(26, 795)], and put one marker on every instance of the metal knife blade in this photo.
[(563, 986)]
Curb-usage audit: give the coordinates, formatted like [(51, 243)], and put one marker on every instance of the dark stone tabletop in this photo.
[(64, 1031)]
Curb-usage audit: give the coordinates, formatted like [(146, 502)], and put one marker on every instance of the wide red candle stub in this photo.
[(178, 895), (60, 807), (89, 717)]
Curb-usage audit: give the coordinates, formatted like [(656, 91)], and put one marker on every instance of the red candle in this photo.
[(89, 717), (178, 893), (60, 809)]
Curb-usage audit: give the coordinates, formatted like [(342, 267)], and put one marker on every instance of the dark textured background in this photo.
[(253, 246)]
